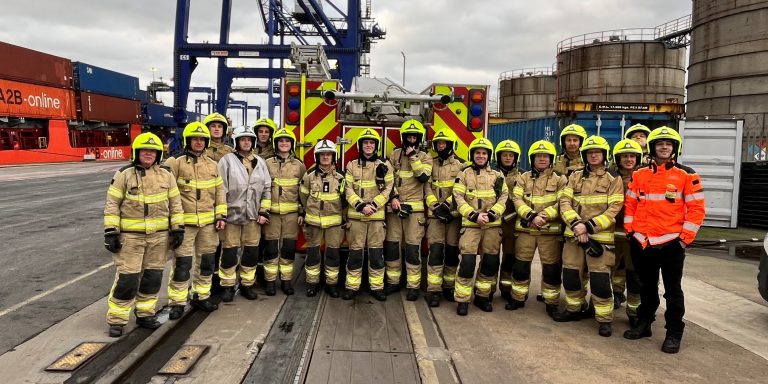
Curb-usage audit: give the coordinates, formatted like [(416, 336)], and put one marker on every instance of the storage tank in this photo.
[(527, 93), (728, 74), (623, 66)]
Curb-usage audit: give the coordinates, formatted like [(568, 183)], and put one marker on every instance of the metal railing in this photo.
[(611, 36), (528, 72), (681, 25)]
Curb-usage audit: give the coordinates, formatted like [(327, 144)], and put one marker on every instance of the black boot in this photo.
[(566, 316), (632, 321), (589, 312), (618, 298), (286, 287), (228, 294), (149, 322), (671, 344), (391, 288), (349, 294), (270, 288), (540, 298), (115, 330), (643, 329), (605, 330), (311, 290), (412, 295), (206, 305), (333, 291), (448, 294), (551, 309), (506, 295), (484, 303), (513, 304), (176, 312), (378, 294), (433, 299), (462, 309), (248, 292)]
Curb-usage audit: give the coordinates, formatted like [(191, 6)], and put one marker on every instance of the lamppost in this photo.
[(403, 53)]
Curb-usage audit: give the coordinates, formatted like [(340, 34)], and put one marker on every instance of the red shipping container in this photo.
[(95, 107), (28, 66), (35, 101)]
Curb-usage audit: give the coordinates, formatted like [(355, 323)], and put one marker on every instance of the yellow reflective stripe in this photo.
[(353, 280), (552, 228), (602, 220), (520, 289), (550, 294), (284, 207), (404, 174), (603, 237), (463, 290), (270, 268), (499, 208), (544, 199), (364, 183), (459, 188), (574, 301), (551, 211), (331, 273), (202, 218), (465, 209), (604, 310), (173, 192), (482, 193), (111, 221), (415, 278), (227, 276), (115, 192), (467, 223), (146, 306), (483, 285), (266, 203), (524, 210), (592, 199), (312, 270), (286, 269), (145, 224), (376, 280), (449, 277), (220, 209), (415, 205), (177, 295), (431, 199), (326, 196), (323, 221), (570, 215), (518, 191), (616, 198), (200, 184), (290, 182), (353, 214), (380, 200), (250, 275), (505, 282), (389, 177), (568, 192), (434, 279), (444, 184), (304, 189), (176, 218), (119, 311), (151, 199)]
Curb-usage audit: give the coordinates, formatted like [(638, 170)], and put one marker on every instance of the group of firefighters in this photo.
[(596, 227)]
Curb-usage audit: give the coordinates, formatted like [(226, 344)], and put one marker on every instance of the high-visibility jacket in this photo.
[(441, 182), (564, 165), (594, 198), (537, 192), (361, 186), (286, 175), (248, 185), (218, 150), (143, 200), (626, 176), (411, 172), (477, 190), (664, 202), (322, 194), (202, 190)]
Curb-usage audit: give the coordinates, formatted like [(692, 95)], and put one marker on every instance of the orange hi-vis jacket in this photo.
[(664, 202)]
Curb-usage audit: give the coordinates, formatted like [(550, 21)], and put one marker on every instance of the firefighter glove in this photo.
[(473, 216), (443, 213), (381, 172), (498, 185), (592, 248), (177, 237), (492, 216), (360, 206), (405, 211), (509, 216), (112, 240)]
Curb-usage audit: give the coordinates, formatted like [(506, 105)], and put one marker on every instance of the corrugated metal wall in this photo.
[(753, 202)]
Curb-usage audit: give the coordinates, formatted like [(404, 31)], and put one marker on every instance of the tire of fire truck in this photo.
[(762, 274)]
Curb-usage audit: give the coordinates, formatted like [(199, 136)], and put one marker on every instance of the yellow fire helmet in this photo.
[(637, 128), (368, 134), (216, 117), (412, 127), (627, 146), (508, 146), (542, 146), (665, 133), (147, 140), (595, 142), (282, 132), (265, 122), (478, 143), (572, 129), (445, 135), (196, 129)]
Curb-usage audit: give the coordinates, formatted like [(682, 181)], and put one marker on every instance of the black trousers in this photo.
[(669, 258)]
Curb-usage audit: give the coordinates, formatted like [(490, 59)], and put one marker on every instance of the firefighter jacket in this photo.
[(479, 190), (361, 187), (322, 196), (594, 198), (143, 200), (440, 188), (626, 176), (411, 173), (537, 192), (510, 177), (286, 175), (217, 150), (202, 190), (664, 202), (248, 185), (564, 165), (264, 152)]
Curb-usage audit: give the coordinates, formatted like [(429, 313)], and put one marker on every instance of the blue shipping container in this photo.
[(159, 115), (94, 79), (526, 132)]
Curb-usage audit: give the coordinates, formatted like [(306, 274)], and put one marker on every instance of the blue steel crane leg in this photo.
[(183, 65), (223, 87), (314, 22), (331, 29), (226, 16)]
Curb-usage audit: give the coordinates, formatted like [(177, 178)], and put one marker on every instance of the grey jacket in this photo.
[(245, 193)]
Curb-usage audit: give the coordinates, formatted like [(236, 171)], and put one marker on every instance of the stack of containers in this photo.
[(106, 96), (35, 84)]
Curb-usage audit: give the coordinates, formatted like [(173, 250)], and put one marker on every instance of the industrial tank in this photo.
[(623, 66), (728, 71), (527, 93)]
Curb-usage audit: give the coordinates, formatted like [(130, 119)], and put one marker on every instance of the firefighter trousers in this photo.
[(507, 256), (333, 237), (410, 229), (443, 262), (233, 238), (474, 241), (599, 269), (197, 249), (668, 258), (550, 251), (625, 276), (280, 246), (140, 263), (362, 235)]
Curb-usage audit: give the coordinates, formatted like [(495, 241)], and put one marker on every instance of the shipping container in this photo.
[(91, 78), (610, 125), (28, 66), (95, 107), (35, 101), (159, 115), (143, 96)]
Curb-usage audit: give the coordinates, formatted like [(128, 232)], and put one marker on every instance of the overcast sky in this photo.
[(452, 41)]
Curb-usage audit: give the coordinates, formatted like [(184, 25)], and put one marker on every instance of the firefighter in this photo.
[(589, 205), (322, 196), (537, 227), (481, 196), (281, 232), (264, 128), (444, 226), (639, 133), (664, 208), (368, 184), (412, 168), (205, 209), (571, 138), (218, 125), (142, 204), (627, 155), (248, 185), (507, 154)]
